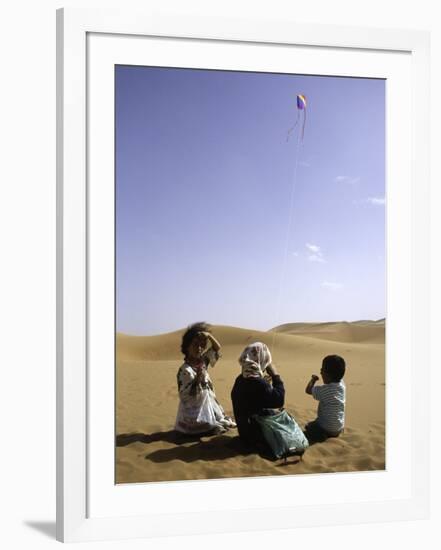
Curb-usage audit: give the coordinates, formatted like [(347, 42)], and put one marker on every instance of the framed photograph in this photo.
[(242, 274)]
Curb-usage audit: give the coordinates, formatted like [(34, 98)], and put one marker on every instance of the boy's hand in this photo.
[(311, 383)]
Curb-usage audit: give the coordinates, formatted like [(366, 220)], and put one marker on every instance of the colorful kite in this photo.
[(301, 106)]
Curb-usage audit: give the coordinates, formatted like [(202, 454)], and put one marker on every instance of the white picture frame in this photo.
[(77, 518)]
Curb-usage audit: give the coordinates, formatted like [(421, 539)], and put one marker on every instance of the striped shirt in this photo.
[(331, 409)]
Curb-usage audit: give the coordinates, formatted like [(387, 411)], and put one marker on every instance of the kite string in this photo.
[(288, 232)]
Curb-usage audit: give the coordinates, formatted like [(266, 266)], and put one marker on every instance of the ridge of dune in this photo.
[(168, 346), (321, 324), (343, 331), (292, 336)]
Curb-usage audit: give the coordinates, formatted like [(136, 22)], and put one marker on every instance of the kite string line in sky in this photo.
[(288, 232)]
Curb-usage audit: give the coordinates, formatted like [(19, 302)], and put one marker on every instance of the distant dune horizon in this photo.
[(278, 328), (167, 345)]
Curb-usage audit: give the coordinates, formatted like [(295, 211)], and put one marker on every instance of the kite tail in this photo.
[(304, 122), (291, 129)]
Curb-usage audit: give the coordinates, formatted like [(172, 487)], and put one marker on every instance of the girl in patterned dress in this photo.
[(199, 411)]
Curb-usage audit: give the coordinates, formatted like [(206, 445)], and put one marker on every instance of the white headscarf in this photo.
[(254, 359)]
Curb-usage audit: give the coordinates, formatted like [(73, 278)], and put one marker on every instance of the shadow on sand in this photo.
[(218, 447), (171, 436)]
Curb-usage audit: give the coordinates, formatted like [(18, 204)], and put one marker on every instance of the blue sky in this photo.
[(219, 218)]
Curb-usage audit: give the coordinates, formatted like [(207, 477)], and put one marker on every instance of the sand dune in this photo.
[(147, 399), (357, 331)]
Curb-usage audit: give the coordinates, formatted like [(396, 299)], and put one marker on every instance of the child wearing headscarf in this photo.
[(252, 393), (199, 411)]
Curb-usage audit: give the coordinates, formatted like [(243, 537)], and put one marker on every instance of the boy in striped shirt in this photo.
[(331, 396)]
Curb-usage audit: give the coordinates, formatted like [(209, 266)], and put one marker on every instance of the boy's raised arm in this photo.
[(311, 383)]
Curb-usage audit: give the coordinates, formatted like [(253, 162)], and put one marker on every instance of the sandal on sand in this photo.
[(228, 422)]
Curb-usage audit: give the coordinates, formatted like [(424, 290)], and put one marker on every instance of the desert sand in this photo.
[(147, 448)]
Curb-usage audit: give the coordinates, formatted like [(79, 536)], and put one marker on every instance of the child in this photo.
[(199, 410), (252, 393), (331, 396)]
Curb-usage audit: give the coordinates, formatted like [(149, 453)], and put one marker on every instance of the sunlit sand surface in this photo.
[(146, 402)]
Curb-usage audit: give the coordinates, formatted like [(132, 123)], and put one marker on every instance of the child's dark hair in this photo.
[(191, 332), (335, 367)]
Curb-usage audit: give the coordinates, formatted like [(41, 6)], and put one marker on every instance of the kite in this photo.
[(301, 106)]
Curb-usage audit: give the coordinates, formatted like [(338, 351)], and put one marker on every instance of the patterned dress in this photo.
[(198, 411)]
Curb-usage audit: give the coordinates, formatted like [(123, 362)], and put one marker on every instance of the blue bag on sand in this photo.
[(281, 433)]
